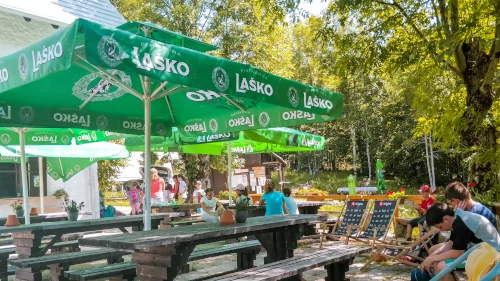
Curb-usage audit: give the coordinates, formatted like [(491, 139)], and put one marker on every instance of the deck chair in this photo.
[(349, 221), (398, 252), (383, 216), (484, 265)]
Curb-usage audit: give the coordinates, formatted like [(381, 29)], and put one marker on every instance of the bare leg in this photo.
[(409, 230), (440, 266), (436, 248)]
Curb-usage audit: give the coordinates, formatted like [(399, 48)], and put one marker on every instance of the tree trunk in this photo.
[(368, 160), (433, 170), (353, 132), (479, 131), (428, 159)]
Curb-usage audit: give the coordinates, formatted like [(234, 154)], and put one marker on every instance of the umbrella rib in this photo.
[(170, 109), (233, 102), (173, 90), (157, 90), (102, 73)]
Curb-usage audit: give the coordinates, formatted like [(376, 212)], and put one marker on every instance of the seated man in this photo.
[(465, 227), (456, 193)]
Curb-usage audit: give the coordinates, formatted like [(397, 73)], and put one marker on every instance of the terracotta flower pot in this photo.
[(12, 221), (226, 218), (34, 212)]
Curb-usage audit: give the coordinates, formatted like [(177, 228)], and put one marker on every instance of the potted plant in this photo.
[(397, 195), (61, 194), (17, 207), (72, 208), (241, 207)]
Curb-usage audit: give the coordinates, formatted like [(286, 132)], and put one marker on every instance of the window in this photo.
[(11, 180)]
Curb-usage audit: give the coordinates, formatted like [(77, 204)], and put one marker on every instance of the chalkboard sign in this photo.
[(353, 215), (382, 216)]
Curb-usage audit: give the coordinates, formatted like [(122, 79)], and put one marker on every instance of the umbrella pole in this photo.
[(229, 173), (147, 159), (41, 176), (24, 175)]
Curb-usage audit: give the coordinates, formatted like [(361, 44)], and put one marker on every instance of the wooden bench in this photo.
[(246, 251), (123, 270), (459, 275), (10, 250), (335, 260), (30, 269)]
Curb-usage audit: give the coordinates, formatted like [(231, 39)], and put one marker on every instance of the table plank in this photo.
[(90, 224), (148, 239)]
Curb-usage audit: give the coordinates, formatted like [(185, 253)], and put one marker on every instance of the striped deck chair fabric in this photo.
[(350, 222), (383, 215), (399, 252)]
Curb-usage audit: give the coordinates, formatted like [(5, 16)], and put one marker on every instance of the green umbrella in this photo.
[(92, 77), (49, 136), (246, 142), (64, 161), (381, 186)]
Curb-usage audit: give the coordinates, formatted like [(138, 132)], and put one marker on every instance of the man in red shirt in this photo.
[(425, 191)]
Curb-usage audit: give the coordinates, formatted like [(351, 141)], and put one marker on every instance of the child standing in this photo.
[(135, 198)]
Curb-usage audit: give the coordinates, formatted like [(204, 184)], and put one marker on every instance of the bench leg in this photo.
[(245, 259), (336, 271), (27, 274), (57, 272)]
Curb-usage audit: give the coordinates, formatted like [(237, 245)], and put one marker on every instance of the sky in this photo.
[(315, 7)]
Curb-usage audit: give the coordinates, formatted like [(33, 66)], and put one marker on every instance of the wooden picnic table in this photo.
[(186, 208), (28, 238), (304, 207), (160, 254)]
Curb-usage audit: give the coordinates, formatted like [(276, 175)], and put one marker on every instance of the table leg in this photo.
[(279, 243), (27, 244), (4, 267), (162, 262), (336, 271)]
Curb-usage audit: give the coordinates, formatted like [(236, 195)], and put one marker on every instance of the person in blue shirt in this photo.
[(274, 201), (291, 204), (456, 192)]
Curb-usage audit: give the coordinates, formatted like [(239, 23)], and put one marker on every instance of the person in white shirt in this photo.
[(242, 193), (182, 189), (198, 192), (208, 205)]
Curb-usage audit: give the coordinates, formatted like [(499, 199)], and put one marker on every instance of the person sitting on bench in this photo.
[(208, 204), (465, 227), (242, 193)]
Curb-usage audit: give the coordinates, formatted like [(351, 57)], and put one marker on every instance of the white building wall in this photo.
[(83, 187)]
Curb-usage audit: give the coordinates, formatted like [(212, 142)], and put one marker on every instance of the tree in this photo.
[(459, 37)]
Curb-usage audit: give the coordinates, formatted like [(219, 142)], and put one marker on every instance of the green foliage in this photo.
[(310, 190), (330, 181), (61, 193), (107, 170), (242, 205), (72, 206), (224, 195), (17, 205)]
